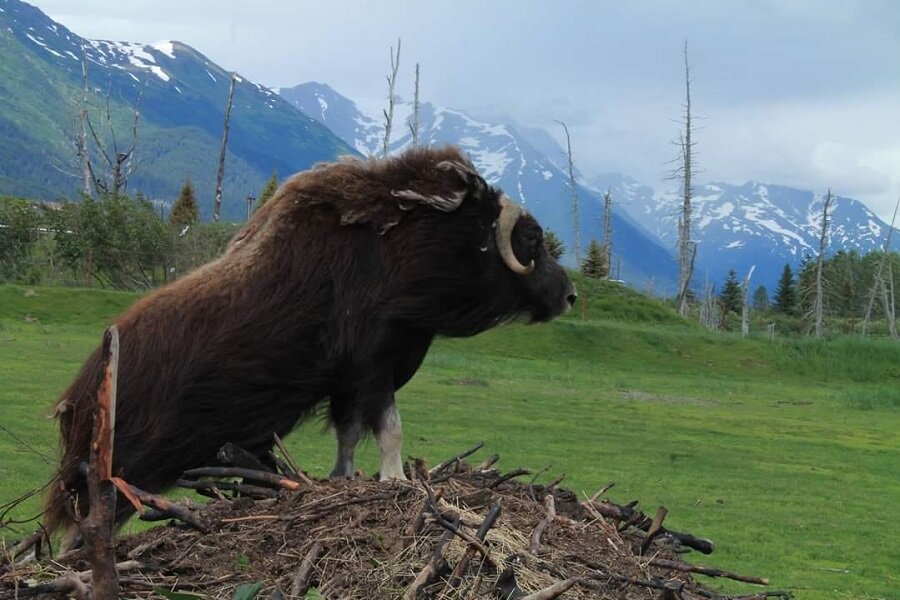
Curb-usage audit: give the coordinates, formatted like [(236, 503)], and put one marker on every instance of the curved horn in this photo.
[(509, 214)]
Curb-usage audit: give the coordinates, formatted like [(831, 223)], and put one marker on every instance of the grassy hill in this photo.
[(784, 453)]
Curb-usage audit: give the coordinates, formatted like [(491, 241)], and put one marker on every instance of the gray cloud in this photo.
[(801, 92)]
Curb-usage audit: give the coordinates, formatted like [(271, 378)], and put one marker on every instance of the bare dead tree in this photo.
[(878, 284), (119, 162), (709, 317), (745, 305), (574, 195), (81, 142), (819, 299), (414, 124), (389, 111), (687, 247), (607, 230), (220, 174)]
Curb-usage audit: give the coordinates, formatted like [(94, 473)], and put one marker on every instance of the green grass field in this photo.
[(786, 454)]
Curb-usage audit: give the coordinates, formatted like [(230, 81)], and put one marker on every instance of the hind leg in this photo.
[(347, 422)]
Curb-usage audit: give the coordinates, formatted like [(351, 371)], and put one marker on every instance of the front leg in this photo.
[(389, 433)]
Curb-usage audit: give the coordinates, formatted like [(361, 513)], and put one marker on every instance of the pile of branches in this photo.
[(452, 531)]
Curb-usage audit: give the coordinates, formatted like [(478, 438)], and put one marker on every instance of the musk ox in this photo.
[(332, 292)]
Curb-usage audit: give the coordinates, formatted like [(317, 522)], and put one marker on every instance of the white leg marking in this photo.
[(390, 442)]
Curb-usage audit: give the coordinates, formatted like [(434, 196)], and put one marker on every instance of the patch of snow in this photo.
[(784, 233), (133, 76), (491, 164), (211, 76), (177, 89), (469, 142), (160, 73), (875, 228), (734, 244), (323, 104), (167, 48), (548, 175)]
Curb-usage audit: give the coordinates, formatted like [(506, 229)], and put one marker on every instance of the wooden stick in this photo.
[(454, 526), (555, 482), (709, 571), (489, 462), (654, 529), (550, 508), (244, 488), (628, 514), (554, 591), (300, 476), (97, 528), (164, 505), (463, 564), (508, 476), (33, 540), (601, 491), (304, 574), (263, 476), (456, 458), (432, 567), (429, 506)]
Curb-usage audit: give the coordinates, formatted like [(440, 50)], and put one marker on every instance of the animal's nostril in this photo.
[(571, 298)]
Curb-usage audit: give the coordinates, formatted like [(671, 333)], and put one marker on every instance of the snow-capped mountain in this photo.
[(738, 226), (182, 103), (506, 158)]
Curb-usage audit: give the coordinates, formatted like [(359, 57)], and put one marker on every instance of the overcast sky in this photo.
[(803, 93)]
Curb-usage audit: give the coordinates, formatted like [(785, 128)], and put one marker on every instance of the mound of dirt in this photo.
[(455, 532)]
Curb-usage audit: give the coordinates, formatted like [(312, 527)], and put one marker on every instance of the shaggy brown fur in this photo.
[(333, 291)]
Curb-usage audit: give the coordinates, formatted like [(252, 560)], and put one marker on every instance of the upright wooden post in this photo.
[(98, 527)]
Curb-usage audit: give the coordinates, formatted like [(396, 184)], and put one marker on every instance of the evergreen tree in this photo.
[(594, 264), (761, 299), (786, 294), (731, 296), (268, 191), (554, 245), (185, 211)]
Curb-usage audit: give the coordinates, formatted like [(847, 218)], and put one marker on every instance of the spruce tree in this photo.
[(268, 191), (554, 245), (594, 264), (761, 299), (185, 211), (731, 297), (786, 294)]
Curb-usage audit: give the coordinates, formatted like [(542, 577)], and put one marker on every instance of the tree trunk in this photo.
[(414, 126), (745, 310), (220, 174), (607, 231), (819, 304), (687, 248), (879, 275), (389, 113), (574, 192)]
